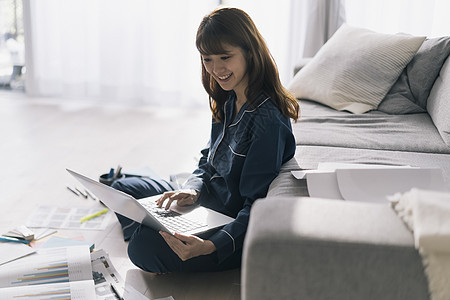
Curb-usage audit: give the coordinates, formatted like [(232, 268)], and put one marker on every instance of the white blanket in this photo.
[(427, 214)]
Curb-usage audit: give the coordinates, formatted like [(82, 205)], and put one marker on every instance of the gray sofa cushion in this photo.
[(309, 248), (374, 130), (438, 103), (285, 184), (410, 92)]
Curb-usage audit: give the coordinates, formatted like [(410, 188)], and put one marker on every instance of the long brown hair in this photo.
[(234, 27)]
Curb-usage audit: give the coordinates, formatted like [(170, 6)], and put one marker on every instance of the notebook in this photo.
[(193, 219)]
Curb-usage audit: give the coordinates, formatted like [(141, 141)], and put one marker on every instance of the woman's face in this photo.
[(228, 69)]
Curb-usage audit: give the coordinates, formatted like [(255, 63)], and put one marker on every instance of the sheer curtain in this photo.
[(143, 51), (313, 22), (136, 51), (416, 17)]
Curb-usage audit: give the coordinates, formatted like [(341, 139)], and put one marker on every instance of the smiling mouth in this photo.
[(225, 77)]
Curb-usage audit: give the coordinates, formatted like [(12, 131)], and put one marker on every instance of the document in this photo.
[(49, 274), (67, 218), (82, 290), (367, 182), (62, 273), (12, 251), (108, 282)]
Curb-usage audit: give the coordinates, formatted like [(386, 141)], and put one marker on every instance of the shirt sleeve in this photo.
[(196, 179), (263, 161)]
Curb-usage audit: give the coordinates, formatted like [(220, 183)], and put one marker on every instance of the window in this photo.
[(12, 53)]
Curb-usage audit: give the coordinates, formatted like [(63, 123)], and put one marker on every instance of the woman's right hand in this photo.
[(183, 198)]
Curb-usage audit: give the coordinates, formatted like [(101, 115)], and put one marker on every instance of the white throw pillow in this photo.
[(355, 69)]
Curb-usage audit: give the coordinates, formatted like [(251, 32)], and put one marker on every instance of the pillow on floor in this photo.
[(410, 92), (355, 69)]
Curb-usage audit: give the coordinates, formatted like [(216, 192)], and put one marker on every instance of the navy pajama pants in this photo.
[(148, 250)]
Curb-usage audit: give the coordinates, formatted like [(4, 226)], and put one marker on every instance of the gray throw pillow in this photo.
[(410, 92)]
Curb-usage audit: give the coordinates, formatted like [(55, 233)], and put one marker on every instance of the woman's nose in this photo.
[(218, 67)]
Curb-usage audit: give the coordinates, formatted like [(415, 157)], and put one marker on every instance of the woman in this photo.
[(251, 138)]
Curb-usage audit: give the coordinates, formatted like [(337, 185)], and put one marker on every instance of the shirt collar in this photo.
[(231, 102)]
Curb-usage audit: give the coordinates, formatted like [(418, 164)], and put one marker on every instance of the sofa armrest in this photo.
[(309, 248)]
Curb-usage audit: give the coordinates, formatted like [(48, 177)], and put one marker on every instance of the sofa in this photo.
[(300, 247)]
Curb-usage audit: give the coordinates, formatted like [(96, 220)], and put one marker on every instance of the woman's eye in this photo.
[(225, 57), (206, 60)]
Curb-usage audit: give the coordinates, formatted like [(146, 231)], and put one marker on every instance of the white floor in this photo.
[(42, 137)]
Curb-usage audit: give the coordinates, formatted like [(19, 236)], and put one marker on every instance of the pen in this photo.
[(14, 240), (88, 217), (90, 194), (116, 292), (81, 192), (73, 191), (117, 172)]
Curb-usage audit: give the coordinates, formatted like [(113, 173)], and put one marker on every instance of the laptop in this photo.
[(190, 220)]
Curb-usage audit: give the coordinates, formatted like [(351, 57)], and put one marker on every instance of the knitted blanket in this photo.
[(427, 214)]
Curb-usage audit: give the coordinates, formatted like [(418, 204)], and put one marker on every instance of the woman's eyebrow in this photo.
[(225, 53), (222, 52)]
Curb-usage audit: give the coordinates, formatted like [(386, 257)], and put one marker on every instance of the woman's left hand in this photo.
[(188, 246)]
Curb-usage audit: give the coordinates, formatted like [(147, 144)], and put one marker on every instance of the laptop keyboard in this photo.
[(172, 220)]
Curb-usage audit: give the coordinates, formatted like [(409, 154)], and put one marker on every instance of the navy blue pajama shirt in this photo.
[(245, 154)]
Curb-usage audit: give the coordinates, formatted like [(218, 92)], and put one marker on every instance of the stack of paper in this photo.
[(369, 183), (21, 234)]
